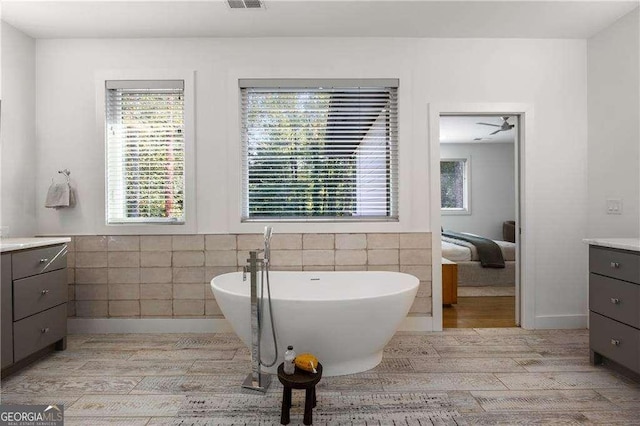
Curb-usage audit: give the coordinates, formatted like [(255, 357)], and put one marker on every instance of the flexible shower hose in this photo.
[(273, 329)]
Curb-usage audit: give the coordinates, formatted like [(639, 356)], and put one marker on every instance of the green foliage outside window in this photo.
[(153, 152), (287, 135), (452, 181)]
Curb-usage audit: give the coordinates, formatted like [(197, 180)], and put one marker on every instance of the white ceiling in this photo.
[(464, 129), (290, 18)]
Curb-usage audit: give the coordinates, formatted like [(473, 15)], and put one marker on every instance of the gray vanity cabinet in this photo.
[(34, 303), (614, 305)]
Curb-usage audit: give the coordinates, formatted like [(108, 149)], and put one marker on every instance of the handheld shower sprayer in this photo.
[(268, 230)]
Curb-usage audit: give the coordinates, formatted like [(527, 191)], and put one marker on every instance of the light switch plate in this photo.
[(614, 206)]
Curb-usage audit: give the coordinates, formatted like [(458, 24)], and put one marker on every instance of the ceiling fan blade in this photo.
[(497, 131), (489, 124)]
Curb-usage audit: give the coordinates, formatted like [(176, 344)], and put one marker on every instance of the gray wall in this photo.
[(492, 189)]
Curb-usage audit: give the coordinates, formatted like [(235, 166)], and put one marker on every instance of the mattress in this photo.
[(461, 251)]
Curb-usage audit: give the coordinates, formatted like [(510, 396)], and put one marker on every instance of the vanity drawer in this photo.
[(37, 261), (615, 299), (6, 328), (38, 293), (614, 340), (615, 263), (39, 331)]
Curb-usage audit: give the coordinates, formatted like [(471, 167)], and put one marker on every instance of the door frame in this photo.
[(525, 266)]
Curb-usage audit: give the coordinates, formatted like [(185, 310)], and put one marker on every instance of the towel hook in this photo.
[(66, 173)]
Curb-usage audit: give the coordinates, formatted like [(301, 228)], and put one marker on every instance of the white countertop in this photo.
[(632, 244), (12, 244)]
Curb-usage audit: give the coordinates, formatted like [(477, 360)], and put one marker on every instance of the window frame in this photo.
[(466, 188), (296, 83), (189, 203)]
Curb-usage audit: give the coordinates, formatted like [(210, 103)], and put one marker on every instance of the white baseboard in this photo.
[(417, 324), (147, 325), (187, 325), (561, 321)]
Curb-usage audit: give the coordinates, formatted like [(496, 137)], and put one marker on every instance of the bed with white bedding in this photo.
[(471, 273)]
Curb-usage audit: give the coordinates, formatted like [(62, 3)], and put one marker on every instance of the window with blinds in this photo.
[(317, 149), (145, 152)]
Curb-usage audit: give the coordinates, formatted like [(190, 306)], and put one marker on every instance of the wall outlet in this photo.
[(614, 206)]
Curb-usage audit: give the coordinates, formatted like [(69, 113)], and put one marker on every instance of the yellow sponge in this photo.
[(307, 362)]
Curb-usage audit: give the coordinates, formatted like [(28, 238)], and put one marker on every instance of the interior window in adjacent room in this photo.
[(454, 185)]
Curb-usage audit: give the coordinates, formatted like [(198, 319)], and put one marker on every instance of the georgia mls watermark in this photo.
[(31, 415)]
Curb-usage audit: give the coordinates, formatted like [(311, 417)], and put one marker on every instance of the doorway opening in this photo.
[(479, 212)]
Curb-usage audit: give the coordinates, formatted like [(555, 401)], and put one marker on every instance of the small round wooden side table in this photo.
[(299, 380)]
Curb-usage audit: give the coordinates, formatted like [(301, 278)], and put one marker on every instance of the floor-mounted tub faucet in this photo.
[(257, 380)]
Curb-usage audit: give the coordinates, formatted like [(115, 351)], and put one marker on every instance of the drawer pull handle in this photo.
[(615, 301), (46, 291), (615, 265), (44, 260), (44, 330), (615, 342)]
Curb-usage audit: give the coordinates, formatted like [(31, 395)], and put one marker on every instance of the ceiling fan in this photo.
[(503, 128)]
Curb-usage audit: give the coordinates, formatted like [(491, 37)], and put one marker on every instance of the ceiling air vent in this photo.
[(245, 4)]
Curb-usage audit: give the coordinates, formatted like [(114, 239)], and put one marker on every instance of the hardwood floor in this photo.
[(480, 312), (504, 376)]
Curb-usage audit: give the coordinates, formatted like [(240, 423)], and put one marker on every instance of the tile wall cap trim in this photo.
[(186, 234), (190, 325)]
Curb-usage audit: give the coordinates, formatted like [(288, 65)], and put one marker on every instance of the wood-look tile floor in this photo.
[(458, 377)]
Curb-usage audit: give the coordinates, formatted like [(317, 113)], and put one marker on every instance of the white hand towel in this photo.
[(72, 196), (58, 196)]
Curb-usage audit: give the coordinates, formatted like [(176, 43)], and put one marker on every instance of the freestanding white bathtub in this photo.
[(344, 318)]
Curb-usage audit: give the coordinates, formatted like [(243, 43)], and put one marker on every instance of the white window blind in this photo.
[(317, 149), (145, 151)]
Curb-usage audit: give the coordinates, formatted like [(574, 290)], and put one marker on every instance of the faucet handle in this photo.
[(245, 269)]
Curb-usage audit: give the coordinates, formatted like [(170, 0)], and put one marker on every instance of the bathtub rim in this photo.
[(368, 297)]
